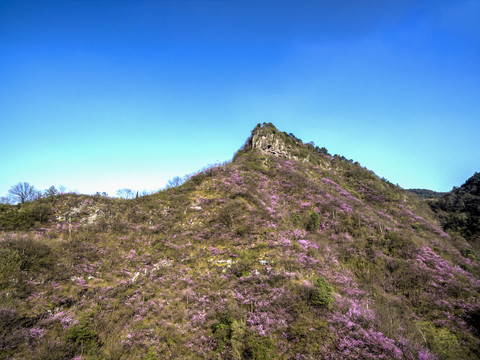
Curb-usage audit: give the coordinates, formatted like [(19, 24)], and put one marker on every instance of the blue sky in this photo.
[(102, 95)]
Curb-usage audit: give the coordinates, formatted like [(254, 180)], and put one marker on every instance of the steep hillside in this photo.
[(459, 210), (286, 252)]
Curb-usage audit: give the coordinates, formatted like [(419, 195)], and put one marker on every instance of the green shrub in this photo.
[(441, 341), (230, 333), (23, 217), (243, 230), (313, 222), (222, 331), (322, 293), (237, 339), (232, 213), (295, 218), (151, 354), (469, 253), (309, 335), (9, 265), (398, 245), (258, 347), (33, 255), (84, 337)]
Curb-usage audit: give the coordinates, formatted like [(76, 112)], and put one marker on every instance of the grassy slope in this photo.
[(226, 265)]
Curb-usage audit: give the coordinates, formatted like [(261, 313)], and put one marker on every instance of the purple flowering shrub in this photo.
[(305, 257)]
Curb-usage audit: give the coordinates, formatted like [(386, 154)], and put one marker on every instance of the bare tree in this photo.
[(103, 193), (5, 200), (51, 194), (125, 193), (175, 181), (51, 191), (23, 192)]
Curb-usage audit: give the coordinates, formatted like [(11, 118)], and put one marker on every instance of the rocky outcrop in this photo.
[(271, 143)]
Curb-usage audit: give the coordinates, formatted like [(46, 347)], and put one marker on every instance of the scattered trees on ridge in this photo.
[(175, 181), (23, 192), (125, 193)]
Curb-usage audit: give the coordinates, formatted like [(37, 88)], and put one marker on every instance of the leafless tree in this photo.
[(125, 193), (103, 193), (175, 181), (51, 191), (23, 192), (5, 200)]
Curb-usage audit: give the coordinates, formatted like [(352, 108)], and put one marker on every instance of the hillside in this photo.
[(286, 252), (459, 210)]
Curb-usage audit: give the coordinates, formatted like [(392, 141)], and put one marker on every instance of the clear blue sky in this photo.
[(101, 95)]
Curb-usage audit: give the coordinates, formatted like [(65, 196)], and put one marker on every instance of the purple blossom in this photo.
[(305, 244), (285, 242), (298, 234), (215, 251), (426, 355), (36, 333)]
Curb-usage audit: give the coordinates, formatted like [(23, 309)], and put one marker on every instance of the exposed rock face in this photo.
[(271, 143), (267, 139), (84, 214)]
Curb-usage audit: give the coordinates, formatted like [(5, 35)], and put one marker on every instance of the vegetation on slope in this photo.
[(266, 257), (459, 210)]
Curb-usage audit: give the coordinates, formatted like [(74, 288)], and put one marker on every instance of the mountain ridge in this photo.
[(285, 252)]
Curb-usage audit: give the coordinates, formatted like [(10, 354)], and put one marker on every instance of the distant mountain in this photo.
[(427, 194), (287, 252)]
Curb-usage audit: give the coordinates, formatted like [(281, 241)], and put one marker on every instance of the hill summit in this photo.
[(269, 140), (287, 252)]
